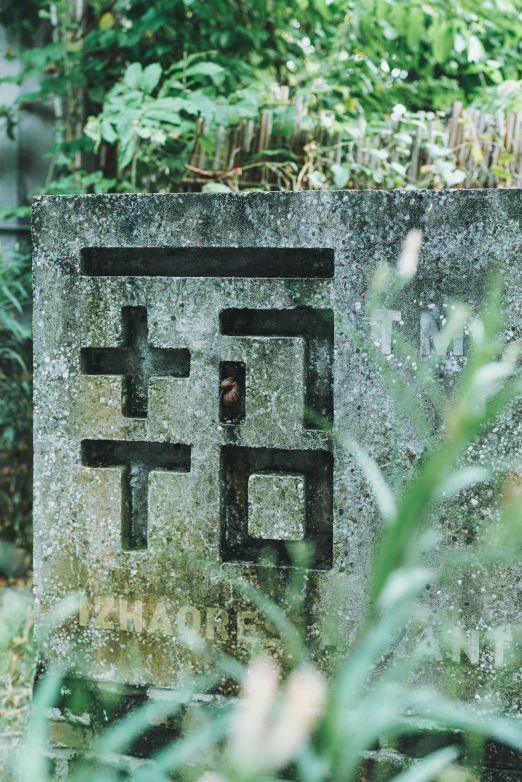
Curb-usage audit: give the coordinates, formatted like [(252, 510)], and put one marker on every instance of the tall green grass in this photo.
[(294, 722), (15, 397)]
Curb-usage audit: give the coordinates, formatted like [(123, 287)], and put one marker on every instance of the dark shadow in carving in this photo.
[(137, 361), (283, 262), (237, 464), (138, 459), (232, 414), (316, 327)]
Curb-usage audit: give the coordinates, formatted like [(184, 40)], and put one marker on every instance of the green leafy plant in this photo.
[(155, 131), (15, 394), (386, 52), (344, 59)]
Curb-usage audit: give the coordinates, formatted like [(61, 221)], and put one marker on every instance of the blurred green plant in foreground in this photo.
[(17, 661), (294, 721), (15, 397)]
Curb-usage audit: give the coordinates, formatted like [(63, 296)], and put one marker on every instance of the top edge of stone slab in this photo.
[(379, 198), (454, 192), (307, 198), (334, 219)]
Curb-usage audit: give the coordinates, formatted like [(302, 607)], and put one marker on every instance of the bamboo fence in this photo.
[(424, 149)]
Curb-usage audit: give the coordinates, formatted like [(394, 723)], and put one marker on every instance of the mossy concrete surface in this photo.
[(155, 547)]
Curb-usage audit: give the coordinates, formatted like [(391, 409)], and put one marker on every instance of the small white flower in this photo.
[(409, 258), (271, 726)]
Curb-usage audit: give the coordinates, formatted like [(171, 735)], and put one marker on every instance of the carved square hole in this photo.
[(276, 506), (271, 497), (316, 327)]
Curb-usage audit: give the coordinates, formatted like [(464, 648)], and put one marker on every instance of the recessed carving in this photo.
[(232, 390), (137, 361), (316, 328), (315, 468), (138, 459), (280, 262)]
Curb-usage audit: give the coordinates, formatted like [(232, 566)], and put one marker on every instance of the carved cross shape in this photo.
[(137, 361), (138, 459)]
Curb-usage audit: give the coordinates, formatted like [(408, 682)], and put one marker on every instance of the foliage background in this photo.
[(223, 62)]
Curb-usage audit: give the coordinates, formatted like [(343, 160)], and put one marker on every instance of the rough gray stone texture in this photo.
[(276, 506), (144, 581)]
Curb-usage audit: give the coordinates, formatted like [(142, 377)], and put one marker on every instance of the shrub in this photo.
[(15, 397)]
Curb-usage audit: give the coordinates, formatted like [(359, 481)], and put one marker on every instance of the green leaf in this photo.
[(173, 84), (416, 27), (316, 180), (127, 149), (341, 176), (389, 31), (120, 735), (14, 301), (205, 69), (462, 479), (398, 168), (501, 173), (382, 8), (12, 354), (150, 77), (170, 104), (192, 746), (443, 43), (97, 94), (399, 17), (92, 130), (322, 8), (132, 76), (162, 115), (104, 185), (107, 21), (33, 763), (459, 43), (167, 110), (452, 176), (107, 131), (203, 105), (13, 212), (436, 151), (429, 768), (376, 480), (215, 187), (28, 97), (475, 49)]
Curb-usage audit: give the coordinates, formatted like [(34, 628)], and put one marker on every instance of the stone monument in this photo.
[(191, 352)]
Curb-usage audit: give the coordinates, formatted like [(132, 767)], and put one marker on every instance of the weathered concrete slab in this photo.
[(276, 506), (153, 492)]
